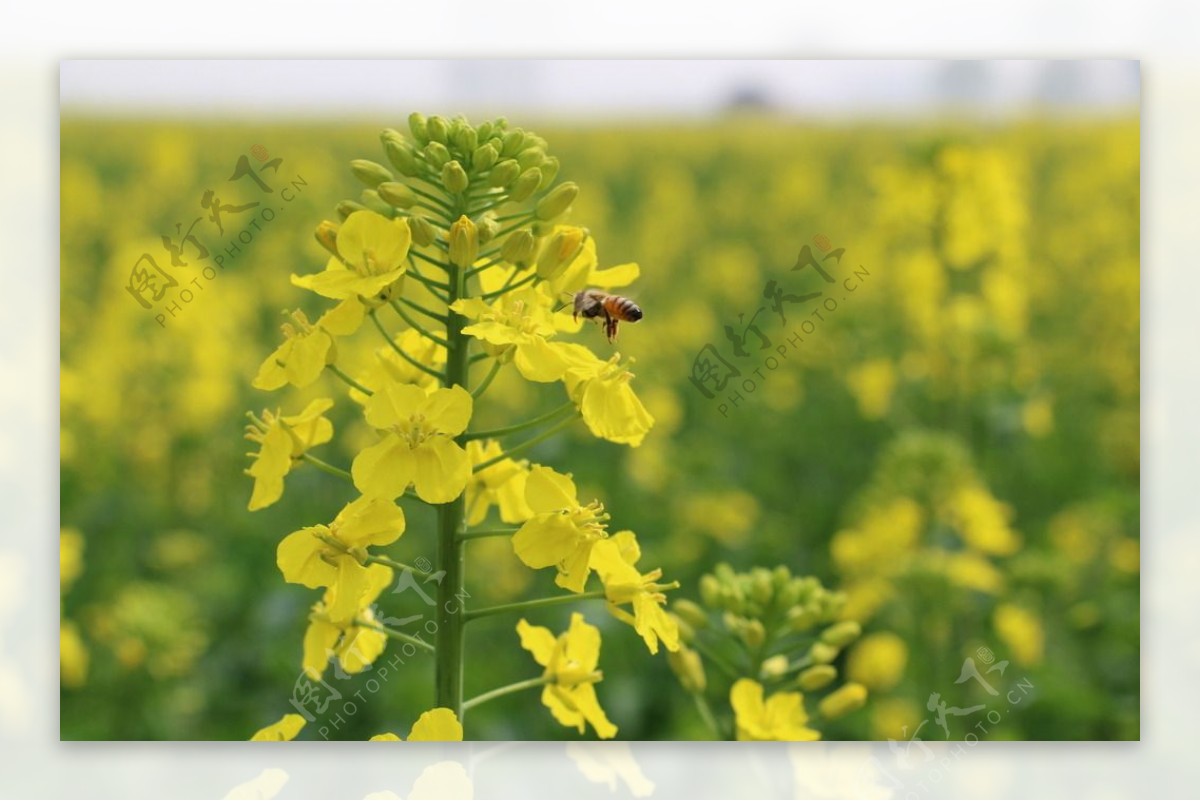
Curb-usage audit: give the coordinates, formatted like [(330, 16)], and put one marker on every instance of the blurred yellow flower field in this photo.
[(880, 423)]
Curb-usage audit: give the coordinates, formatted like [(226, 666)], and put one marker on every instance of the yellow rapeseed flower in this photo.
[(570, 661), (517, 326), (1022, 632), (878, 661), (307, 348), (354, 645), (561, 533), (418, 446), (371, 256), (438, 725), (283, 440), (501, 485), (286, 728), (615, 560), (780, 717), (601, 391)]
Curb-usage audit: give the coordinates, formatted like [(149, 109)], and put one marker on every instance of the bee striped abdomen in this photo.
[(622, 309)]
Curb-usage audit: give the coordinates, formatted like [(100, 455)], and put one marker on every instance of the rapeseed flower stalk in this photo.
[(456, 254)]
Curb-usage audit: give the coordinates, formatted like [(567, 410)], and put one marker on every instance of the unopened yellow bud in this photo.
[(399, 153), (558, 253), (484, 131), (823, 653), (691, 612), (519, 248), (801, 618), (689, 668), (549, 170), (347, 207), (438, 130), (525, 185), (710, 590), (464, 242), (454, 177), (423, 231), (369, 172), (504, 173), (817, 677), (753, 633), (531, 157), (488, 228), (465, 138), (842, 701), (397, 194), (558, 201), (774, 667), (326, 234), (436, 154), (372, 200), (419, 127), (841, 634), (484, 157), (513, 141)]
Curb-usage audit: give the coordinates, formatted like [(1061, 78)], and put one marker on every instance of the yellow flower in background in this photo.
[(1037, 417), (1126, 555), (884, 537), (780, 717), (968, 570), (982, 521), (73, 656), (283, 440), (307, 348), (438, 725), (418, 446), (1022, 632), (502, 485), (895, 719), (615, 560), (355, 646), (570, 662), (518, 323), (872, 384), (286, 728), (70, 556), (561, 533), (332, 556), (601, 391), (371, 253), (878, 661)]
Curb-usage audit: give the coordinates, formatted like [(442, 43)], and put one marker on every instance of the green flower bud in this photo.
[(454, 177), (438, 130), (691, 612), (519, 248), (822, 653), (710, 590), (326, 235), (687, 634), (484, 132), (397, 194), (525, 185), (549, 170), (484, 157), (488, 228), (753, 634), (504, 173), (762, 588), (689, 668), (464, 242), (774, 668), (347, 207), (400, 154), (801, 618), (781, 577), (557, 254), (370, 173), (841, 634), (419, 127), (558, 201), (842, 701), (372, 200), (423, 231), (436, 154), (533, 140), (465, 139), (513, 140), (531, 157), (817, 677)]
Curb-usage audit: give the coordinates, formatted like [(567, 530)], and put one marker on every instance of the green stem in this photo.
[(509, 286), (487, 532), (417, 307), (440, 264), (392, 563), (429, 283), (527, 444), (443, 205), (521, 606), (474, 271), (396, 635), (507, 689), (513, 429), (487, 380), (448, 673), (420, 329), (403, 354), (333, 368), (707, 715), (719, 661), (328, 468)]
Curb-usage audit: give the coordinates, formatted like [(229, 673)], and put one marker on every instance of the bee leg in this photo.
[(610, 327)]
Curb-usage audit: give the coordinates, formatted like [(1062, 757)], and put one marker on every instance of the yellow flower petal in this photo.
[(273, 462), (319, 640), (386, 737), (285, 729), (537, 640), (539, 360), (549, 491), (370, 241), (442, 470), (385, 469), (448, 410), (299, 559), (437, 725)]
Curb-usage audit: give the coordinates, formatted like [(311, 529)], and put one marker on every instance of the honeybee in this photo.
[(592, 303)]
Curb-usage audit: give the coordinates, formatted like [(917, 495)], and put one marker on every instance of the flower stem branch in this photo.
[(417, 307), (333, 368), (487, 532), (521, 606), (527, 444), (513, 429), (420, 329), (487, 380), (507, 689), (328, 468), (396, 635), (403, 354)]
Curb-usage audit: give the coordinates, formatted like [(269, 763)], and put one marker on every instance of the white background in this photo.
[(35, 36)]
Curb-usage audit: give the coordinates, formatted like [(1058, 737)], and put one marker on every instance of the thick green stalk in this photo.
[(451, 516)]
